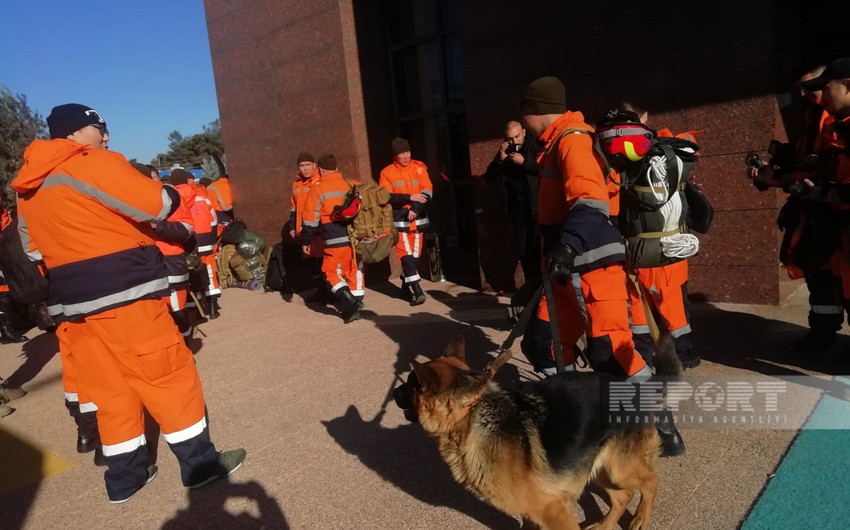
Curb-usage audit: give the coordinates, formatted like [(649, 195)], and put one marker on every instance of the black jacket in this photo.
[(519, 182)]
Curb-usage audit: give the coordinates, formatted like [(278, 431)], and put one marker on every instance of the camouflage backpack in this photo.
[(372, 233)]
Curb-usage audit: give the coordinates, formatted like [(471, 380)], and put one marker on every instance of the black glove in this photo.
[(559, 261)]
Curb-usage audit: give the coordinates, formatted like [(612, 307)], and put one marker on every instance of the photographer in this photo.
[(834, 84), (515, 164), (804, 171)]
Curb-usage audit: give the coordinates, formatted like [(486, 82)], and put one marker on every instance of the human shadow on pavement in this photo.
[(427, 334), (477, 309), (207, 508), (758, 344), (24, 469), (37, 352), (406, 458), (409, 460)]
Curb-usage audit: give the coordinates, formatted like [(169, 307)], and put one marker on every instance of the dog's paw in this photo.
[(639, 523)]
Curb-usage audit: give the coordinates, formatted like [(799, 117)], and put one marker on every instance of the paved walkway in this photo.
[(307, 397)]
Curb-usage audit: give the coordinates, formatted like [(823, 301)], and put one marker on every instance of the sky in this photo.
[(143, 65)]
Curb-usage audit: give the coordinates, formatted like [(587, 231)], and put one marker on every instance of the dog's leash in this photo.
[(553, 323), (519, 328)]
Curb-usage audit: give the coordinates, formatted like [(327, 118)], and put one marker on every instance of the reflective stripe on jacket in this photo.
[(330, 191), (402, 182), (573, 194), (300, 189), (87, 213)]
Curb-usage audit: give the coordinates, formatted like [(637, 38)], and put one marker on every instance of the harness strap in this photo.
[(658, 189), (650, 319), (656, 235)]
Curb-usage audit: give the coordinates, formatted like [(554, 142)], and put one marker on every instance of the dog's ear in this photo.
[(429, 380), (456, 349)]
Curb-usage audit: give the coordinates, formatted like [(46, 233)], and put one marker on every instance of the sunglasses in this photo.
[(101, 127)]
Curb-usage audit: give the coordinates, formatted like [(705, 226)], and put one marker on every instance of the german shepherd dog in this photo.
[(530, 451)]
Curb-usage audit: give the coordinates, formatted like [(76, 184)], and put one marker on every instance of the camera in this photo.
[(512, 148)]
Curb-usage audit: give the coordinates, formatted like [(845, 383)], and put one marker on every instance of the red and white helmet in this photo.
[(623, 139)]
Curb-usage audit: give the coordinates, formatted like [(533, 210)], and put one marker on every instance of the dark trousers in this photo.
[(527, 240)]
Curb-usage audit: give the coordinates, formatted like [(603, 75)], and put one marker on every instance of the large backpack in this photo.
[(276, 273), (26, 283), (654, 210), (371, 232), (655, 189)]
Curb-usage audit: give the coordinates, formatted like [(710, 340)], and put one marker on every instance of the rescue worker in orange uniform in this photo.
[(809, 223), (339, 264), (834, 82), (170, 236), (307, 177), (221, 197), (665, 287), (7, 333), (578, 236), (410, 189), (87, 213), (205, 221)]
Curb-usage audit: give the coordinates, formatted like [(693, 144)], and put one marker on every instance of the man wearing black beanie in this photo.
[(574, 210), (87, 213), (326, 213), (410, 189)]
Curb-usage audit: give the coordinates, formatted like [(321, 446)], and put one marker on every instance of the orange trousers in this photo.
[(76, 398), (213, 289), (135, 358), (408, 249), (176, 301), (610, 348), (663, 289), (342, 270)]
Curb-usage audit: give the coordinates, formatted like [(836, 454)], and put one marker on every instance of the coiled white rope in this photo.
[(679, 245)]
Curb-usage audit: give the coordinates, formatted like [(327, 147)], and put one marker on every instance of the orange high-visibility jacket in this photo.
[(300, 189), (221, 197), (203, 215), (87, 212), (402, 182), (329, 192), (170, 236), (573, 198)]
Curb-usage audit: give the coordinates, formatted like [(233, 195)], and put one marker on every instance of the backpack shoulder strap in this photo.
[(568, 130)]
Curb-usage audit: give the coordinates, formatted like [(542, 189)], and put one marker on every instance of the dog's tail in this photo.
[(665, 359)]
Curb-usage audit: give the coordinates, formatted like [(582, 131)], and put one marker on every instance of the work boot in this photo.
[(672, 443), (351, 306), (405, 290), (690, 359), (88, 439), (815, 340), (417, 297), (8, 335), (212, 310), (228, 462)]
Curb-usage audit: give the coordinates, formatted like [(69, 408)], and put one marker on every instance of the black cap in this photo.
[(70, 118), (181, 176), (327, 162), (545, 95), (399, 146), (837, 69), (304, 156)]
